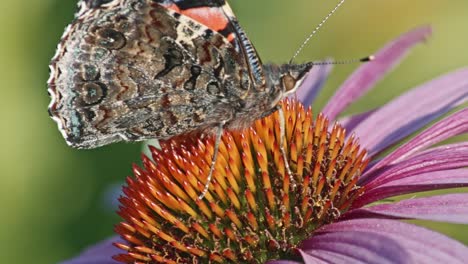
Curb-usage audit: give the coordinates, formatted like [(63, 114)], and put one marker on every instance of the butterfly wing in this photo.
[(217, 15), (135, 70)]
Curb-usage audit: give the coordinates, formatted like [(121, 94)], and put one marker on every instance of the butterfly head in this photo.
[(284, 80), (292, 76)]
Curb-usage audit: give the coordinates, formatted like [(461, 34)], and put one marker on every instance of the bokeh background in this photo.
[(53, 198)]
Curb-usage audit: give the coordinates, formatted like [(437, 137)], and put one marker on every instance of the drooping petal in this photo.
[(451, 208), (351, 122), (356, 247), (309, 259), (312, 85), (412, 110), (398, 239), (453, 125), (429, 181), (366, 76), (283, 262), (316, 256), (435, 159), (100, 253)]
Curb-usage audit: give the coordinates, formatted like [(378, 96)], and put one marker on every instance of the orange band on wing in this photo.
[(212, 17)]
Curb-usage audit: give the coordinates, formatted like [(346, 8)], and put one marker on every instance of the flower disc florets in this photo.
[(252, 212)]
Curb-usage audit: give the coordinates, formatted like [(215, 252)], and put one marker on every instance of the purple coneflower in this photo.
[(253, 213)]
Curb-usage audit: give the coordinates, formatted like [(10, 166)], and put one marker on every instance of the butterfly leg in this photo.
[(283, 151), (219, 133)]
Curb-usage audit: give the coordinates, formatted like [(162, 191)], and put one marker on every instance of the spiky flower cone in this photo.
[(252, 212)]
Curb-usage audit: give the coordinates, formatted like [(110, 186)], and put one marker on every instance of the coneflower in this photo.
[(253, 213)]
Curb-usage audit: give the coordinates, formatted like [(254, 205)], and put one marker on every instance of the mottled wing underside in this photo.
[(217, 15), (136, 69)]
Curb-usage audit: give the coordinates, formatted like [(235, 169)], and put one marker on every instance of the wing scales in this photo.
[(142, 71)]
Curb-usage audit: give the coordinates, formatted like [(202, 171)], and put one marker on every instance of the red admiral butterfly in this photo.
[(131, 70)]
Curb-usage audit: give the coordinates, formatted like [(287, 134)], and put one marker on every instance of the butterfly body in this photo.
[(131, 70)]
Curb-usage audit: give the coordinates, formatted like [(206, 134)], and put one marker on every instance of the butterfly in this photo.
[(132, 70)]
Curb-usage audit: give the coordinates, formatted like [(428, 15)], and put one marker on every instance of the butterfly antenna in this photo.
[(315, 30), (340, 62)]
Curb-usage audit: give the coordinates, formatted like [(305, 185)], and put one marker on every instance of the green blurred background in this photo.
[(52, 196)]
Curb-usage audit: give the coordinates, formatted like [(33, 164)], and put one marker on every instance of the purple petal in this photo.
[(283, 262), (451, 208), (100, 253), (411, 243), (322, 256), (435, 180), (412, 110), (453, 125), (436, 159), (350, 122), (366, 76), (356, 247), (313, 83)]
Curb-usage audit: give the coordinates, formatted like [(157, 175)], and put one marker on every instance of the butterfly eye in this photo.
[(288, 82)]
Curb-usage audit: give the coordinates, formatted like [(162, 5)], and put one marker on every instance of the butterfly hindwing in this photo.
[(134, 70)]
